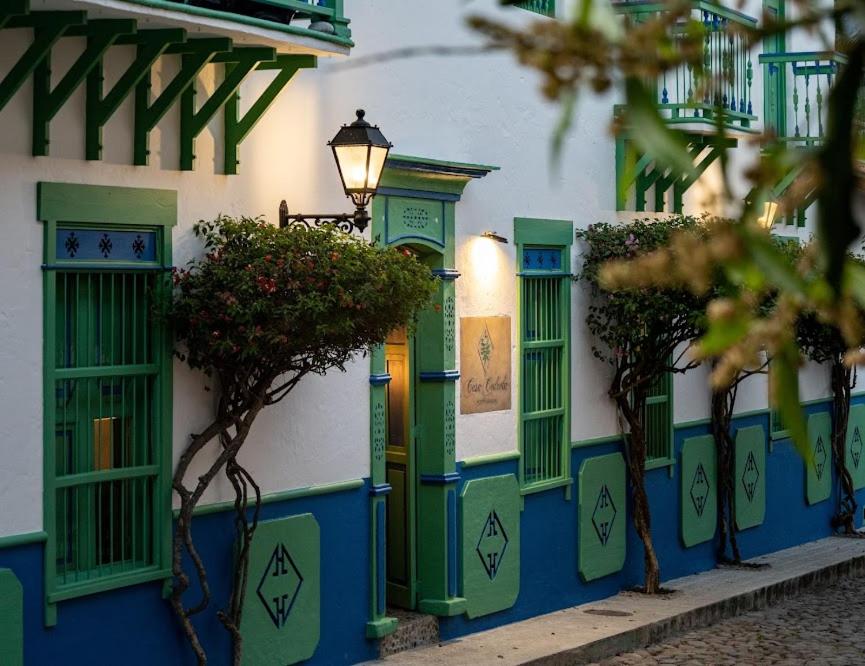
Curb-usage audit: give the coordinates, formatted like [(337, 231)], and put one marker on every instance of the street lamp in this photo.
[(360, 151)]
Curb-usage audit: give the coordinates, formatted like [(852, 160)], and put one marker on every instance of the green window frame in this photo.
[(107, 388), (658, 420), (543, 7), (544, 374)]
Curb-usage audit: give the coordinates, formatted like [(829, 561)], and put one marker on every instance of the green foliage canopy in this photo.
[(266, 302)]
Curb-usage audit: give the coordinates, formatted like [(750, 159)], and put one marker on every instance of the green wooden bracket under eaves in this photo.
[(151, 45), (238, 64), (197, 54), (818, 475), (855, 449), (238, 126), (48, 28), (48, 100)]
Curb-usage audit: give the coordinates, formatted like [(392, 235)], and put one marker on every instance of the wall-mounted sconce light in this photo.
[(770, 211), (360, 151), (492, 235)]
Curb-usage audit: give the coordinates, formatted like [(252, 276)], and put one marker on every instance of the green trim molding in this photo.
[(425, 175), (16, 540), (489, 459), (282, 496), (103, 204)]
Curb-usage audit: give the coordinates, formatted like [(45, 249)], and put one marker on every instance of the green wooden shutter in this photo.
[(106, 424), (658, 419)]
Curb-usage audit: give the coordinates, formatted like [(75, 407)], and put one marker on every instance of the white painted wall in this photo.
[(480, 108)]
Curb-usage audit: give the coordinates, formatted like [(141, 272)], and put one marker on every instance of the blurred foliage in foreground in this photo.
[(598, 50)]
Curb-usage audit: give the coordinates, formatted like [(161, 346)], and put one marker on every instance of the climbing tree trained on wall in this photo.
[(643, 333), (264, 308)]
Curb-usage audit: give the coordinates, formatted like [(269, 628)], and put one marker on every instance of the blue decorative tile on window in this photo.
[(106, 245), (542, 259)]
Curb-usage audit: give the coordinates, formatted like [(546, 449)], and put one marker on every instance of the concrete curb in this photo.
[(704, 616)]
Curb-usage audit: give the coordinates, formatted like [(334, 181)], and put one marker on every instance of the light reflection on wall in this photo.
[(488, 262)]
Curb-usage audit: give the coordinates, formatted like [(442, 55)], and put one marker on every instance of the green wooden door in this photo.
[(775, 83), (401, 473)]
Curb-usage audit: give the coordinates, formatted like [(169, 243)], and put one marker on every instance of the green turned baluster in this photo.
[(796, 101), (749, 77), (807, 105), (819, 105)]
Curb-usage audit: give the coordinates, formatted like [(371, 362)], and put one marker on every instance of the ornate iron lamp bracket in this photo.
[(345, 222)]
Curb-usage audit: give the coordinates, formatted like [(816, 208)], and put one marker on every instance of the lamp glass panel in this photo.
[(376, 165), (353, 166)]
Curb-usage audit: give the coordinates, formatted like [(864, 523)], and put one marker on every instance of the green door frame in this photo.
[(416, 207)]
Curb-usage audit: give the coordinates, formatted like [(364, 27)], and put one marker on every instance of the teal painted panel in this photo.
[(282, 610), (818, 476), (490, 544), (11, 620), (418, 219), (699, 474), (854, 458), (602, 516), (750, 495)]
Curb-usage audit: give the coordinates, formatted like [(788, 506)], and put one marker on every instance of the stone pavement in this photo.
[(629, 622), (822, 626)]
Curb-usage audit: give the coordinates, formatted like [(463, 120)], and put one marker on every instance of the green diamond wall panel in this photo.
[(855, 460), (490, 544), (750, 478), (11, 620), (602, 516), (818, 475), (699, 474), (281, 613)]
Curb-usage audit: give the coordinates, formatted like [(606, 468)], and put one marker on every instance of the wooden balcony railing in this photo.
[(796, 93), (691, 95), (324, 16)]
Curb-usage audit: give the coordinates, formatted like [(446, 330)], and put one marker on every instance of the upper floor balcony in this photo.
[(720, 87), (312, 27), (797, 92)]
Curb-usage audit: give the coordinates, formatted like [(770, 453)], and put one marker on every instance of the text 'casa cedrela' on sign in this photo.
[(485, 364)]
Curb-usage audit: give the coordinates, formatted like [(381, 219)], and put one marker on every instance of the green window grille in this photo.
[(105, 457), (658, 419), (544, 371), (543, 7), (107, 395)]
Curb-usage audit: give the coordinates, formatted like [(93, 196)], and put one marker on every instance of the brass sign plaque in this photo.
[(485, 364)]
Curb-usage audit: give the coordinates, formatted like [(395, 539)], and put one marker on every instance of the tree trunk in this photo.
[(723, 402), (635, 449), (841, 379)]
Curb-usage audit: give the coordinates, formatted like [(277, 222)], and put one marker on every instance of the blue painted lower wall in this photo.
[(135, 625), (549, 577)]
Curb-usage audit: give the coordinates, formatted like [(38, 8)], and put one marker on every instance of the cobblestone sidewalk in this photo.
[(819, 627)]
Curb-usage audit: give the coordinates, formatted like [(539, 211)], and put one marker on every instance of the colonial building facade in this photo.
[(472, 471)]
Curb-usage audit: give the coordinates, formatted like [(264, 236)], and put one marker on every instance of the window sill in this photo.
[(106, 583), (659, 463), (543, 486)]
